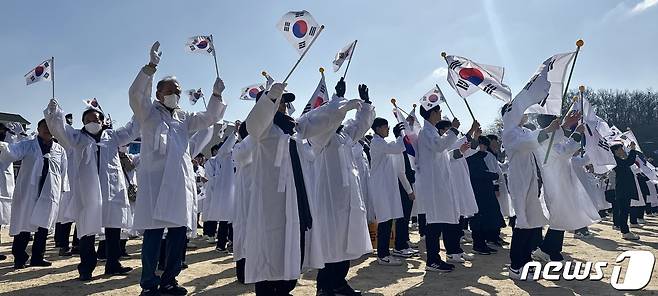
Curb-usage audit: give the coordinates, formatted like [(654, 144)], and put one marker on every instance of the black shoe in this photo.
[(173, 289), (492, 250), (20, 266), (150, 292), (85, 277), (482, 251), (119, 270), (183, 265), (347, 290), (41, 263), (65, 252), (75, 250), (125, 256), (323, 292), (3, 257)]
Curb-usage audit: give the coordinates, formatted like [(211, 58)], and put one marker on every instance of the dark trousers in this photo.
[(88, 256), (422, 224), (552, 244), (403, 232), (478, 233), (524, 241), (275, 288), (511, 221), (432, 235), (174, 248), (383, 238), (224, 234), (210, 228), (62, 235), (451, 235), (239, 270), (636, 213), (332, 276), (112, 248), (19, 246), (76, 241), (622, 207)]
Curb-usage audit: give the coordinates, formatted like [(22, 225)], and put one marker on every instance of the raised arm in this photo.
[(261, 116), (57, 125), (139, 93), (214, 112), (363, 119), (227, 147), (127, 133), (14, 152), (381, 146)]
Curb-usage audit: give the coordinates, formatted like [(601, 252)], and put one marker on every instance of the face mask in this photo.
[(93, 127), (171, 101)]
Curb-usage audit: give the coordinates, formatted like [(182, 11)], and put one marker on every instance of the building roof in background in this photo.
[(9, 117)]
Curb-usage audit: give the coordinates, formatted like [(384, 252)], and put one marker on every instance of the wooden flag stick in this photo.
[(394, 102), (350, 60), (303, 54), (444, 55), (52, 72), (579, 44), (446, 101), (214, 55)]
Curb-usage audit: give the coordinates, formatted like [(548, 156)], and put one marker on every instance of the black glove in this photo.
[(340, 87), (363, 93), (400, 126)]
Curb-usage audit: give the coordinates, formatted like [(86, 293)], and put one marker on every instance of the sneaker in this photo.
[(583, 235), (118, 271), (467, 257), (636, 225), (514, 274), (65, 252), (389, 261), (150, 292), (439, 267), (630, 236), (183, 265), (539, 255), (211, 240), (229, 248), (75, 250), (615, 228), (492, 250), (192, 245), (346, 290), (84, 277), (455, 258), (406, 253), (220, 250), (173, 289), (20, 266), (641, 221), (483, 251), (40, 263), (412, 245)]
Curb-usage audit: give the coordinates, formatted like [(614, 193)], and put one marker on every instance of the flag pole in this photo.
[(214, 56), (52, 72), (444, 55), (394, 102), (579, 44), (350, 60), (304, 53), (446, 101), (582, 117)]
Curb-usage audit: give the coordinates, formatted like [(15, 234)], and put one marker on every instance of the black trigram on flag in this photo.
[(299, 14), (507, 108), (550, 65), (462, 84), (489, 88), (455, 64), (312, 31), (286, 26), (302, 44), (603, 144)]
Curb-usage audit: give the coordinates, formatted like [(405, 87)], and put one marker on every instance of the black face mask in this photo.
[(285, 122)]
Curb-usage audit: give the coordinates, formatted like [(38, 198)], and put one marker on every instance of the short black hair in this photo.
[(492, 137), (397, 130), (482, 140), (70, 115), (100, 114), (616, 147), (199, 155), (443, 124), (426, 113), (545, 120), (242, 130), (369, 137), (42, 121), (214, 148), (378, 122)]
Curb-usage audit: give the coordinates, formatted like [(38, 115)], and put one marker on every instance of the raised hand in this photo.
[(572, 119), (555, 124), (276, 91), (455, 123), (464, 147), (363, 93), (340, 87), (218, 88), (155, 54)]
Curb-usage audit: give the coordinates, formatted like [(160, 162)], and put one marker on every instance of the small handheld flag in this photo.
[(249, 93), (344, 54), (320, 95), (195, 95), (299, 28), (199, 44), (466, 77)]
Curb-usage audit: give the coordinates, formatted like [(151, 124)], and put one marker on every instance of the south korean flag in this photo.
[(466, 77), (43, 71), (200, 44), (299, 28)]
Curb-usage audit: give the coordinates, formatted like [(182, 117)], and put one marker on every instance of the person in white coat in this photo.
[(39, 186), (6, 180), (433, 188), (220, 205), (341, 211), (166, 194), (525, 187), (384, 191), (496, 162), (362, 160), (567, 201), (102, 204), (64, 223)]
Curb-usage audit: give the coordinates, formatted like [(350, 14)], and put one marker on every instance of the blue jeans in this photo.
[(151, 252)]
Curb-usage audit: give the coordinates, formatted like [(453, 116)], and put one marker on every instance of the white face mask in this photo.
[(93, 127), (171, 101)]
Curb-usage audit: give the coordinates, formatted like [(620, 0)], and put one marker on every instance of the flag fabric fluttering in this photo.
[(597, 149), (432, 97), (92, 104), (249, 93), (466, 77), (43, 71), (543, 92), (320, 96), (299, 28), (200, 44), (343, 55), (194, 95)]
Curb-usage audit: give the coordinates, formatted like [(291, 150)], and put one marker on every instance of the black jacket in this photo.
[(625, 178)]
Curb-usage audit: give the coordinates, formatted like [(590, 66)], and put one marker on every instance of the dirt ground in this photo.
[(212, 273)]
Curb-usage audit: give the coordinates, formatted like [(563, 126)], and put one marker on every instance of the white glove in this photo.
[(351, 105), (4, 147), (155, 54), (52, 106), (219, 87), (276, 91)]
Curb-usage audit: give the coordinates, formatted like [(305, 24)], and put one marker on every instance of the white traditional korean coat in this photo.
[(384, 191), (220, 193)]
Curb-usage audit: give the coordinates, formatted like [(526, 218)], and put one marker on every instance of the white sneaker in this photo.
[(514, 274), (641, 221), (467, 257), (466, 239), (581, 235), (455, 258), (630, 236), (211, 240), (406, 253), (412, 250), (389, 261), (539, 255), (636, 225)]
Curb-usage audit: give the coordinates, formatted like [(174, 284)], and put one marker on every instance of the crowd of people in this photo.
[(286, 195)]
